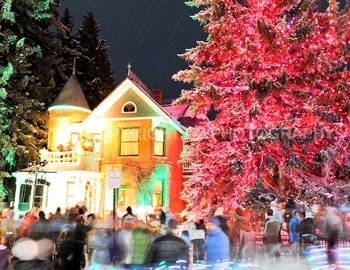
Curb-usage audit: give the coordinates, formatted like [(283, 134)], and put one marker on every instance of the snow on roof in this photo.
[(184, 115)]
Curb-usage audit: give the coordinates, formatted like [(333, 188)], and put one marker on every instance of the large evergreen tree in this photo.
[(275, 71), (94, 68), (69, 43), (30, 70)]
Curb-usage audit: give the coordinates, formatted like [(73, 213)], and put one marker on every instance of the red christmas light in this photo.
[(276, 72)]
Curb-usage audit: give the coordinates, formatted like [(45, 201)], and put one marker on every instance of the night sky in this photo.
[(147, 33)]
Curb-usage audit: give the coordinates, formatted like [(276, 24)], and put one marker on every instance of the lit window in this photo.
[(97, 143), (74, 139), (159, 141), (129, 142), (129, 107), (24, 197), (39, 196)]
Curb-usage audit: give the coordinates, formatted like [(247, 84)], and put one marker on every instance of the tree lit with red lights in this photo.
[(275, 71)]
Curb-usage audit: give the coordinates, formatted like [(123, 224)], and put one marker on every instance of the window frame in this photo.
[(127, 103), (154, 141), (121, 142), (72, 134)]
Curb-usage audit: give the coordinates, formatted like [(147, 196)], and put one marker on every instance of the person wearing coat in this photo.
[(217, 245), (294, 232), (242, 235), (168, 248)]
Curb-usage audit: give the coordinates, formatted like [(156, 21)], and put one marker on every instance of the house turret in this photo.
[(69, 107)]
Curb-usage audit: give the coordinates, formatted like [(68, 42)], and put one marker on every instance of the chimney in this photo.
[(158, 96)]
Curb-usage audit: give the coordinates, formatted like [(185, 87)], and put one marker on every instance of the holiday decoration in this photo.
[(276, 73)]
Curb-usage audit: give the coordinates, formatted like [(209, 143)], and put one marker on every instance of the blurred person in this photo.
[(333, 229), (141, 239), (129, 216), (4, 251), (184, 235), (120, 243), (307, 230), (162, 217), (168, 248), (91, 219), (276, 207), (40, 228), (58, 213), (80, 232), (153, 223), (242, 235), (223, 224), (271, 237), (8, 225), (217, 246), (29, 255), (66, 253), (98, 243), (50, 216), (27, 222), (294, 232), (197, 238)]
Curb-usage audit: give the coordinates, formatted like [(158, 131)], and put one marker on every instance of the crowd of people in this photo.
[(75, 239)]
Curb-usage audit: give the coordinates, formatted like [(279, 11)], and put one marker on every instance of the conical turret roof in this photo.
[(71, 95)]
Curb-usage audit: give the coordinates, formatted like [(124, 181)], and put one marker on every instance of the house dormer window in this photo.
[(129, 107)]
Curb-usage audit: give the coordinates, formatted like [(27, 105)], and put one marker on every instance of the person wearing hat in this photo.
[(168, 248), (217, 245), (242, 235)]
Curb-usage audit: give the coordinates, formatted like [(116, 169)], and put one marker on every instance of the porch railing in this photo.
[(66, 157)]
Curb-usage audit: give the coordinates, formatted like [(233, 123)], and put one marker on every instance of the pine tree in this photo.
[(30, 65), (94, 69), (69, 44), (275, 71)]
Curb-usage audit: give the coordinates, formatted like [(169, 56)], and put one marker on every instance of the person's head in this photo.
[(41, 215), (91, 217), (34, 211), (58, 211), (173, 225), (50, 216), (129, 210), (5, 213), (269, 212), (66, 232), (162, 217), (213, 223)]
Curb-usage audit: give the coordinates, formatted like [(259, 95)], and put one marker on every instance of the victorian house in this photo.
[(128, 141)]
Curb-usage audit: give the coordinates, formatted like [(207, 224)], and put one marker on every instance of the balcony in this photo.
[(71, 160)]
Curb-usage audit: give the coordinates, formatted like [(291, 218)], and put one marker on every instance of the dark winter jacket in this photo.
[(168, 248), (308, 230), (4, 257), (31, 265), (41, 229), (307, 226), (69, 255)]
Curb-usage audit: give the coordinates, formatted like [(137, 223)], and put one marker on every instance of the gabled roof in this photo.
[(138, 88), (183, 114), (71, 95)]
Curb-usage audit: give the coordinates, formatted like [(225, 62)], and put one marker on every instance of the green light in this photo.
[(160, 174)]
